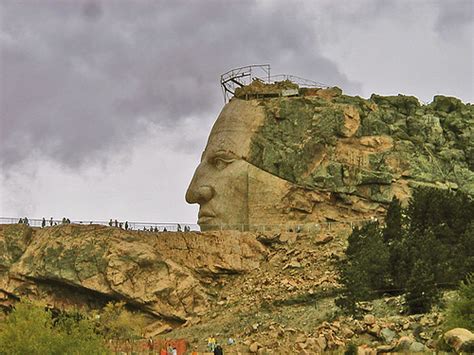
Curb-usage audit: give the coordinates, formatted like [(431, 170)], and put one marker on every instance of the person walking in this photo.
[(211, 343), (218, 350), (43, 223), (51, 222)]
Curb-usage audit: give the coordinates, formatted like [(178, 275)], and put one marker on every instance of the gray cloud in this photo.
[(455, 19), (80, 79)]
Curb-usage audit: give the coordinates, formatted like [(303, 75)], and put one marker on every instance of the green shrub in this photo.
[(116, 323), (460, 312), (351, 349), (30, 329)]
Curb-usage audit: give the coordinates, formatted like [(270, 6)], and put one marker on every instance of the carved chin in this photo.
[(212, 225)]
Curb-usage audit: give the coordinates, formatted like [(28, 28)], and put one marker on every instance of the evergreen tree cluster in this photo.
[(419, 250)]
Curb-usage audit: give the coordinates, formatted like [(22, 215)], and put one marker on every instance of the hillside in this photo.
[(275, 290)]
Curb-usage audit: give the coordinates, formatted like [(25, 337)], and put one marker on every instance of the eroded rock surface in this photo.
[(163, 274)]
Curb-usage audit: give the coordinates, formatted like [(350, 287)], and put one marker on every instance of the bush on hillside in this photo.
[(30, 329), (460, 311), (116, 323)]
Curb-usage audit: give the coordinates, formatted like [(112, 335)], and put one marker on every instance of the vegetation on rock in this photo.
[(420, 250), (115, 323), (302, 137), (31, 329)]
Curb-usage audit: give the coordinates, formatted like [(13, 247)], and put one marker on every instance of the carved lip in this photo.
[(205, 214), (205, 217), (205, 220)]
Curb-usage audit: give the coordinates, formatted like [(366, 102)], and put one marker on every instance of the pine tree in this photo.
[(422, 292), (393, 222), (365, 271)]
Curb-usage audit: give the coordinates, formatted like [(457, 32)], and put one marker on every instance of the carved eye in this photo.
[(222, 158), (222, 162)]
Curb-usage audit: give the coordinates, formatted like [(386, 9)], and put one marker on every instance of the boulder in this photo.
[(383, 349), (369, 319), (460, 340), (253, 348), (387, 335), (403, 344), (417, 347)]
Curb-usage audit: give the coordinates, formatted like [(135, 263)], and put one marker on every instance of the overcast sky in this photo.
[(105, 106)]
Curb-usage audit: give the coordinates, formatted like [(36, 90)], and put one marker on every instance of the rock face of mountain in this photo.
[(318, 155), (163, 274)]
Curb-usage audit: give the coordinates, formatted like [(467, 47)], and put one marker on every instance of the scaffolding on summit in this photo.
[(268, 85)]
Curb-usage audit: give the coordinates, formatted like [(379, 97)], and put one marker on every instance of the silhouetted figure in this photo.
[(156, 229), (218, 350), (25, 221), (179, 227), (68, 221), (120, 225), (51, 222), (165, 230), (20, 221), (43, 223), (110, 222), (64, 220), (126, 225), (116, 223)]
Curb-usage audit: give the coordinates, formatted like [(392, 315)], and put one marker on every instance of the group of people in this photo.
[(127, 226), (24, 221), (214, 347), (51, 222), (112, 223)]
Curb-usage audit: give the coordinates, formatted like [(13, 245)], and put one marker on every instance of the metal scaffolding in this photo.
[(242, 76), (239, 77)]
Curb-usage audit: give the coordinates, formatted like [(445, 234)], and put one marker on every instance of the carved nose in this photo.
[(199, 195)]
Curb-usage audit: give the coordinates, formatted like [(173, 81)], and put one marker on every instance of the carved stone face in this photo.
[(220, 183), (310, 159)]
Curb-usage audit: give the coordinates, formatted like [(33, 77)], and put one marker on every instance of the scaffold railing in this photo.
[(302, 82), (239, 77), (242, 76)]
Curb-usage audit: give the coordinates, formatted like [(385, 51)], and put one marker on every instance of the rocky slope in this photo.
[(272, 293)]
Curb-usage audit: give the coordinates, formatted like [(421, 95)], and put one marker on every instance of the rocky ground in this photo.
[(271, 293), (287, 306)]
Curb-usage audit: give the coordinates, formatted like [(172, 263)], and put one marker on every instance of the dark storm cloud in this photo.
[(80, 78)]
